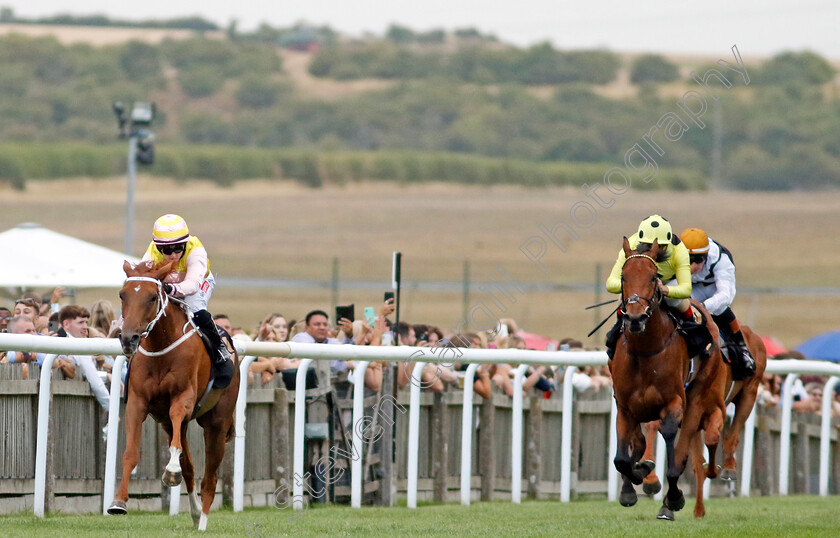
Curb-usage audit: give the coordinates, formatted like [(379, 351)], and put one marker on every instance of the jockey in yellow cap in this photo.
[(674, 270), (190, 279), (713, 284)]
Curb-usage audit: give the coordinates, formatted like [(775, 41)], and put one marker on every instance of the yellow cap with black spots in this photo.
[(655, 227)]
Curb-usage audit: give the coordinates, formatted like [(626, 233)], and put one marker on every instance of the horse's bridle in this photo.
[(163, 302), (652, 301)]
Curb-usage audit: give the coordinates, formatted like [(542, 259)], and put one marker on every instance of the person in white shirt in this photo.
[(713, 284), (74, 320)]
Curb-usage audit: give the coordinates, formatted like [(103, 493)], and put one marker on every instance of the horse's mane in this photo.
[(661, 256)]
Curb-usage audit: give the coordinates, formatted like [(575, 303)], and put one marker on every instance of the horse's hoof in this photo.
[(675, 504), (710, 474), (728, 474), (171, 479), (665, 513), (645, 467), (653, 488), (117, 508), (628, 498)]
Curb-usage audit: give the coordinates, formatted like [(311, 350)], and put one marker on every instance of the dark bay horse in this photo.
[(170, 371), (740, 393), (651, 370)]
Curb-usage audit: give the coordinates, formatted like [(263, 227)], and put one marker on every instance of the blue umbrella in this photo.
[(824, 346)]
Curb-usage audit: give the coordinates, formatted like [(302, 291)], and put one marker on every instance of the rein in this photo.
[(163, 302)]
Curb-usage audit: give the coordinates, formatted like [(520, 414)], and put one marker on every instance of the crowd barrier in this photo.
[(419, 356)]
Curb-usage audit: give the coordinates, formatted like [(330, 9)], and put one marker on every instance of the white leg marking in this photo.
[(195, 505), (202, 523), (174, 465)]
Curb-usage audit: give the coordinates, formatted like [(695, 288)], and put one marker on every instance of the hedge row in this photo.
[(226, 164)]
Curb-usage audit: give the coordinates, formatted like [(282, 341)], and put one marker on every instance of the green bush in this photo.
[(652, 68), (200, 81)]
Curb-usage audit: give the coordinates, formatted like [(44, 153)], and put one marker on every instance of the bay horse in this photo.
[(170, 372), (742, 394), (655, 379)]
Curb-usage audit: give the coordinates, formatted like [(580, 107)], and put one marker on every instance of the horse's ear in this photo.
[(654, 249), (164, 269), (626, 246), (127, 267)]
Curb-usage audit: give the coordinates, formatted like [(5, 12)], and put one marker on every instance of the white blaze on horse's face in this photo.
[(137, 289)]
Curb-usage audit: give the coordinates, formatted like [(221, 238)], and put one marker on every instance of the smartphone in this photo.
[(370, 315), (348, 311), (388, 295), (52, 326)]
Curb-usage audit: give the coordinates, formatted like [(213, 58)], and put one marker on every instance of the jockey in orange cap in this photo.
[(190, 279), (713, 284), (675, 282)]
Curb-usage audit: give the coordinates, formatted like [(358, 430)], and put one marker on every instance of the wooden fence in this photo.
[(76, 449)]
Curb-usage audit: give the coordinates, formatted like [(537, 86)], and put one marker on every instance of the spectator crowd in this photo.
[(32, 314)]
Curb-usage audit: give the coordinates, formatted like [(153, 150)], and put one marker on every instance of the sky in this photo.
[(759, 28)]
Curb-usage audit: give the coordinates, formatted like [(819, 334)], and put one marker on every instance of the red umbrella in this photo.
[(774, 347), (538, 342)]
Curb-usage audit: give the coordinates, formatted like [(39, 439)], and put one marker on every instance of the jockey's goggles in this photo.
[(166, 250), (697, 258)]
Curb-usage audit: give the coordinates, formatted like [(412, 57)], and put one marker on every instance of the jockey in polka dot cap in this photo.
[(190, 279), (674, 269)]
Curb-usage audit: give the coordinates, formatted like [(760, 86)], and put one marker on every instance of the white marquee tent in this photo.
[(35, 257)]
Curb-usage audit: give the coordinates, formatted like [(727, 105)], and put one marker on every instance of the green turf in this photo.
[(764, 516)]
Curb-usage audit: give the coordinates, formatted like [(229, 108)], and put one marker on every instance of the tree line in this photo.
[(782, 132)]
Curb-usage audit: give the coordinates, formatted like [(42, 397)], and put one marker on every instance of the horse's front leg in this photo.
[(712, 430), (744, 403), (652, 485), (135, 414), (669, 426), (179, 412), (215, 434), (630, 448)]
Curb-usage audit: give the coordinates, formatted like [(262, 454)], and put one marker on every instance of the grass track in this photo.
[(765, 516)]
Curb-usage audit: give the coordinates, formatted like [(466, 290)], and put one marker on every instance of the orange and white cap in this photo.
[(170, 229), (695, 240)]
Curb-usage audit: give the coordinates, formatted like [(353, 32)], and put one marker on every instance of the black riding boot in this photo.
[(698, 340), (747, 365), (205, 322), (612, 337)]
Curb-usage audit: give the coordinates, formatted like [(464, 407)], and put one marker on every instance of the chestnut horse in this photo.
[(740, 393), (655, 379), (170, 371)]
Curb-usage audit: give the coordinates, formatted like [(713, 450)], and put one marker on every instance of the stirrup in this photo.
[(223, 354)]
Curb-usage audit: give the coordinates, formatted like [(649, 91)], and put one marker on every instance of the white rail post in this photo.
[(239, 439), (784, 449), (174, 499), (44, 397), (516, 446), (112, 438), (466, 434), (661, 460), (358, 425), (566, 442), (414, 433), (300, 423), (747, 454), (825, 433), (612, 472)]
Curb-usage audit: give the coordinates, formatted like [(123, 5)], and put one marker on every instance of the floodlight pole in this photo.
[(132, 175)]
